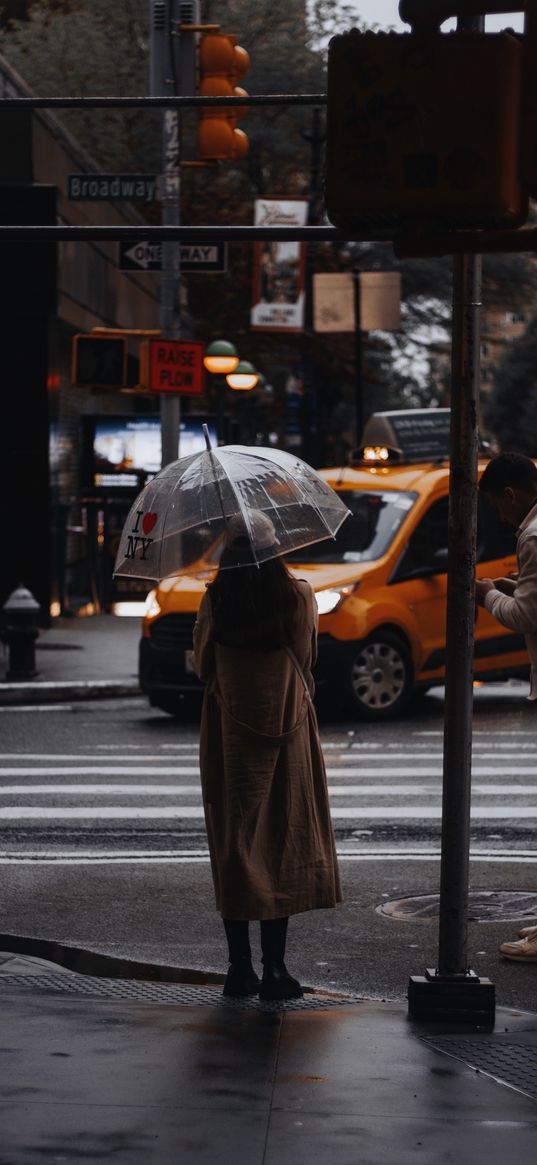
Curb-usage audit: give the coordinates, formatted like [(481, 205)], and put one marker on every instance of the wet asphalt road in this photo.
[(102, 842)]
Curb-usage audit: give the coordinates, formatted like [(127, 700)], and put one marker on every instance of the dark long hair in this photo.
[(257, 607)]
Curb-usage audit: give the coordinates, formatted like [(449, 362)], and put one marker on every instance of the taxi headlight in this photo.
[(152, 606), (329, 599)]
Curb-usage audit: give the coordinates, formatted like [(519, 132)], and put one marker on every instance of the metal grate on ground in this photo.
[(175, 993), (514, 1065)]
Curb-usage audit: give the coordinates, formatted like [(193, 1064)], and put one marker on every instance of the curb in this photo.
[(87, 962), (50, 691)]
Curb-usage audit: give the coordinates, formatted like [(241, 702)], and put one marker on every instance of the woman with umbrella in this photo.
[(255, 641), (263, 777)]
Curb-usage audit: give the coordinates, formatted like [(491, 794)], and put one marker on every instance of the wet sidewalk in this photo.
[(148, 1072), (77, 659)]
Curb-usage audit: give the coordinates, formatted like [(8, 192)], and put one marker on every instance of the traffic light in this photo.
[(99, 361), (222, 62), (424, 129)]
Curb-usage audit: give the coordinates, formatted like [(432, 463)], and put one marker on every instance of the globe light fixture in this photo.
[(221, 357), (244, 377)]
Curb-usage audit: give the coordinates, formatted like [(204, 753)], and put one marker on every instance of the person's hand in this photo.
[(482, 588), (506, 585)]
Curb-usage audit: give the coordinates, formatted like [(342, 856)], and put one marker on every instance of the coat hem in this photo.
[(264, 914)]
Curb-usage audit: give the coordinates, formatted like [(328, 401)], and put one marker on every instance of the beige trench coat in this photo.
[(263, 779)]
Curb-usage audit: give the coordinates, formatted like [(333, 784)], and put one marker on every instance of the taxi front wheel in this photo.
[(381, 676)]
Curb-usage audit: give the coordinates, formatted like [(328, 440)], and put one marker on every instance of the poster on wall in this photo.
[(279, 269)]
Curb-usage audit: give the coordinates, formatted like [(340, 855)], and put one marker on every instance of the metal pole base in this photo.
[(451, 998)]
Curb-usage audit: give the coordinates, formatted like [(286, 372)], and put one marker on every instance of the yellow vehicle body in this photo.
[(383, 634)]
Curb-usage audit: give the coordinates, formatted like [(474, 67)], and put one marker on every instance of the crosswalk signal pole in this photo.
[(172, 72), (452, 992)]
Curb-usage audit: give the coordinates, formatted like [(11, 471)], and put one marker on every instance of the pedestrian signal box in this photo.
[(99, 361), (423, 128)]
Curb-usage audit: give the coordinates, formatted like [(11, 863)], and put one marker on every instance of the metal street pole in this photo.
[(453, 990), (172, 72), (358, 358), (311, 422), (458, 712)]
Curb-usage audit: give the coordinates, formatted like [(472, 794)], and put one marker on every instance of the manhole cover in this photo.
[(483, 906), (130, 989)]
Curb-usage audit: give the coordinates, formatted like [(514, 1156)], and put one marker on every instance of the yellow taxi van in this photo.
[(380, 585)]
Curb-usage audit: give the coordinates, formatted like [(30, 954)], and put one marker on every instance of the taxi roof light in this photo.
[(375, 455)]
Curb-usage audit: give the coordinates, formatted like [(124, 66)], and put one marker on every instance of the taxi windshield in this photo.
[(366, 535)]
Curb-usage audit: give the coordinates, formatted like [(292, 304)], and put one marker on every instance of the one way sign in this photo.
[(141, 255)]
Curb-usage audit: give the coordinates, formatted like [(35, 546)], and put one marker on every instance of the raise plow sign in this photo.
[(172, 366)]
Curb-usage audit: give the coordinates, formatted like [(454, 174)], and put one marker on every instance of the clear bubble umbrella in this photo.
[(262, 501)]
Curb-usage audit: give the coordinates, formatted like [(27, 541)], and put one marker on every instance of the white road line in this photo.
[(94, 790), (103, 771), (78, 756), (36, 707), (97, 812), (478, 755), (431, 812), (343, 764), (193, 771), (186, 858), (193, 755), (490, 733), (350, 813), (172, 790), (426, 790), (117, 747), (412, 771), (426, 747)]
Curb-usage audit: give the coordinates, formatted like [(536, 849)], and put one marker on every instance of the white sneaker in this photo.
[(528, 932), (523, 951)]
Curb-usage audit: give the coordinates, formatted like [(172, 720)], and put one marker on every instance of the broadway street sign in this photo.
[(145, 256), (112, 187)]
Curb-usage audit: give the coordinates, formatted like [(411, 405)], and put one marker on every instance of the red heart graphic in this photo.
[(149, 520)]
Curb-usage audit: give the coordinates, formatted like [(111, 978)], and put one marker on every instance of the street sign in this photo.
[(142, 255), (111, 187), (172, 366)]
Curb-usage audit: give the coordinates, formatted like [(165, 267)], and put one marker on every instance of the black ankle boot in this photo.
[(241, 979), (277, 983)]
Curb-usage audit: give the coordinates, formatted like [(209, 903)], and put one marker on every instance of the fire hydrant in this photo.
[(20, 631)]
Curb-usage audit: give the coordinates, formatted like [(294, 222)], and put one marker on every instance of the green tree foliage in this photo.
[(93, 47), (511, 412), (67, 48)]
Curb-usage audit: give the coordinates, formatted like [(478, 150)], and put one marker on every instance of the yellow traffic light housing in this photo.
[(423, 129), (222, 62)]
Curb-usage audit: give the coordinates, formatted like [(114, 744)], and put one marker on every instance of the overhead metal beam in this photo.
[(163, 102), (184, 234)]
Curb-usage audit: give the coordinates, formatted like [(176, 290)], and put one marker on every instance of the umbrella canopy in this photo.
[(262, 501)]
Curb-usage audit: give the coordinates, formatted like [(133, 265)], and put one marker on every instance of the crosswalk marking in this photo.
[(103, 770), (349, 812), (186, 857), (193, 771), (369, 782), (172, 790)]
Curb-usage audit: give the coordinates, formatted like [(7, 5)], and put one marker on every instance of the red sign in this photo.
[(176, 366)]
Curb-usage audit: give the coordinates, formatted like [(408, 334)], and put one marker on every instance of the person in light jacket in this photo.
[(510, 483), (262, 771)]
